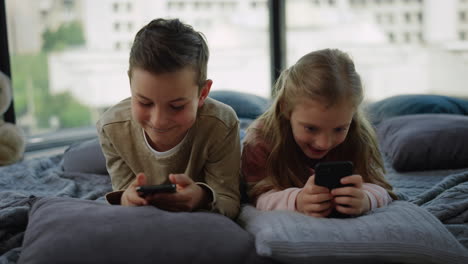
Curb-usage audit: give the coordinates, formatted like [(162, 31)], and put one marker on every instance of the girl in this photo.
[(315, 116)]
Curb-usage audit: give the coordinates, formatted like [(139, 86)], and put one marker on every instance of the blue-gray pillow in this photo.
[(399, 233), (67, 230), (247, 106), (425, 141), (85, 157), (416, 104)]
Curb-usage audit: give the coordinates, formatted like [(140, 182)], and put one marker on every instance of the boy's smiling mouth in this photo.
[(158, 130)]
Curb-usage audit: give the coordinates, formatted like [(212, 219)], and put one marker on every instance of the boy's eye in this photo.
[(177, 107), (145, 103)]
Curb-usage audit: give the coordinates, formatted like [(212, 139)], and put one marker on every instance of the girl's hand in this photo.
[(130, 197), (314, 200), (351, 200), (189, 196)]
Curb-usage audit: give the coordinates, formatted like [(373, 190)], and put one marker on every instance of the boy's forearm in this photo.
[(227, 206)]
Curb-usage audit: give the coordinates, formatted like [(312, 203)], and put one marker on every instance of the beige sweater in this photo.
[(209, 154)]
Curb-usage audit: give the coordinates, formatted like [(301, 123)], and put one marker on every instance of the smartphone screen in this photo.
[(329, 174)]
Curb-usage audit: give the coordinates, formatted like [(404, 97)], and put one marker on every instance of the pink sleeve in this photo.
[(278, 200), (378, 196)]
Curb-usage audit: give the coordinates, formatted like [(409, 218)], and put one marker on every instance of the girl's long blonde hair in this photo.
[(328, 76)]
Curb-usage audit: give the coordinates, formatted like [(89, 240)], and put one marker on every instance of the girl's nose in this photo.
[(323, 141)]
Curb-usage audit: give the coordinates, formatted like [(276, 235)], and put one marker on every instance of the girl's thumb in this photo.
[(311, 180)]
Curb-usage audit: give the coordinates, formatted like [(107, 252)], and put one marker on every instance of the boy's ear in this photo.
[(204, 92), (129, 74)]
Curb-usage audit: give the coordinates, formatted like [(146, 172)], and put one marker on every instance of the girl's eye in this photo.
[(178, 107), (340, 129), (310, 129)]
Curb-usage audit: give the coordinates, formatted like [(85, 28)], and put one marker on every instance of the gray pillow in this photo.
[(68, 230), (399, 233), (246, 105), (85, 157), (411, 104), (425, 142)]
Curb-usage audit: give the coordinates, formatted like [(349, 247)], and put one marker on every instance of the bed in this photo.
[(441, 192)]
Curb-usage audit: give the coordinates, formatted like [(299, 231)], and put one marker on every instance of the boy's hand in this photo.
[(130, 196), (189, 196), (314, 200), (351, 200)]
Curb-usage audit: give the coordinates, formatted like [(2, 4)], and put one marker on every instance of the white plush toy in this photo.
[(12, 143)]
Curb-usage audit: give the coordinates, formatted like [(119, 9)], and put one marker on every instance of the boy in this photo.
[(169, 131)]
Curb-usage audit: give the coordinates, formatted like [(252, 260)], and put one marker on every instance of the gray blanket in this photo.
[(448, 201), (22, 182), (445, 196)]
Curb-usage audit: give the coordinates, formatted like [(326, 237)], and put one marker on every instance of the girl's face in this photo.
[(166, 104), (317, 129)]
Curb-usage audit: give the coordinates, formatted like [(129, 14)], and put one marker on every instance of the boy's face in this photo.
[(166, 104), (318, 129)]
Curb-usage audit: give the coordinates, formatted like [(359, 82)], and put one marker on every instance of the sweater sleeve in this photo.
[(278, 200), (378, 196), (222, 174), (120, 173)]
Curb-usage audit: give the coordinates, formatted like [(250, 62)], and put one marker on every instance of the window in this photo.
[(408, 17), (462, 16), (407, 37), (378, 18), (66, 78), (390, 18), (391, 37), (420, 17), (403, 49), (462, 35), (420, 37)]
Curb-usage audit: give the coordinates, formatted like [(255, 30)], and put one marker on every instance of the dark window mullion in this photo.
[(9, 116), (277, 38)]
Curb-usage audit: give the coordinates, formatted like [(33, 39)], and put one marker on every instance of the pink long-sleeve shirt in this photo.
[(253, 166)]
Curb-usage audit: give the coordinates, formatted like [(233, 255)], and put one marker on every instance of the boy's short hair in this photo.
[(168, 45)]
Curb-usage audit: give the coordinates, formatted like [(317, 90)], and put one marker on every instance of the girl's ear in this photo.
[(204, 92)]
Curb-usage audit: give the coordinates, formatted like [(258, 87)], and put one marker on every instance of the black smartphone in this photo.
[(153, 189), (329, 174)]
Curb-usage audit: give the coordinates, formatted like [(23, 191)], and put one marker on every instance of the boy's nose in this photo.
[(158, 119)]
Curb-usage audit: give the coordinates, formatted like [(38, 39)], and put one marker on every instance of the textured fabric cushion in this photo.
[(67, 230), (416, 104), (399, 233), (85, 157), (425, 142), (246, 105)]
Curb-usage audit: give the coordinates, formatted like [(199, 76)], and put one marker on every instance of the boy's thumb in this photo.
[(180, 179), (141, 179)]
